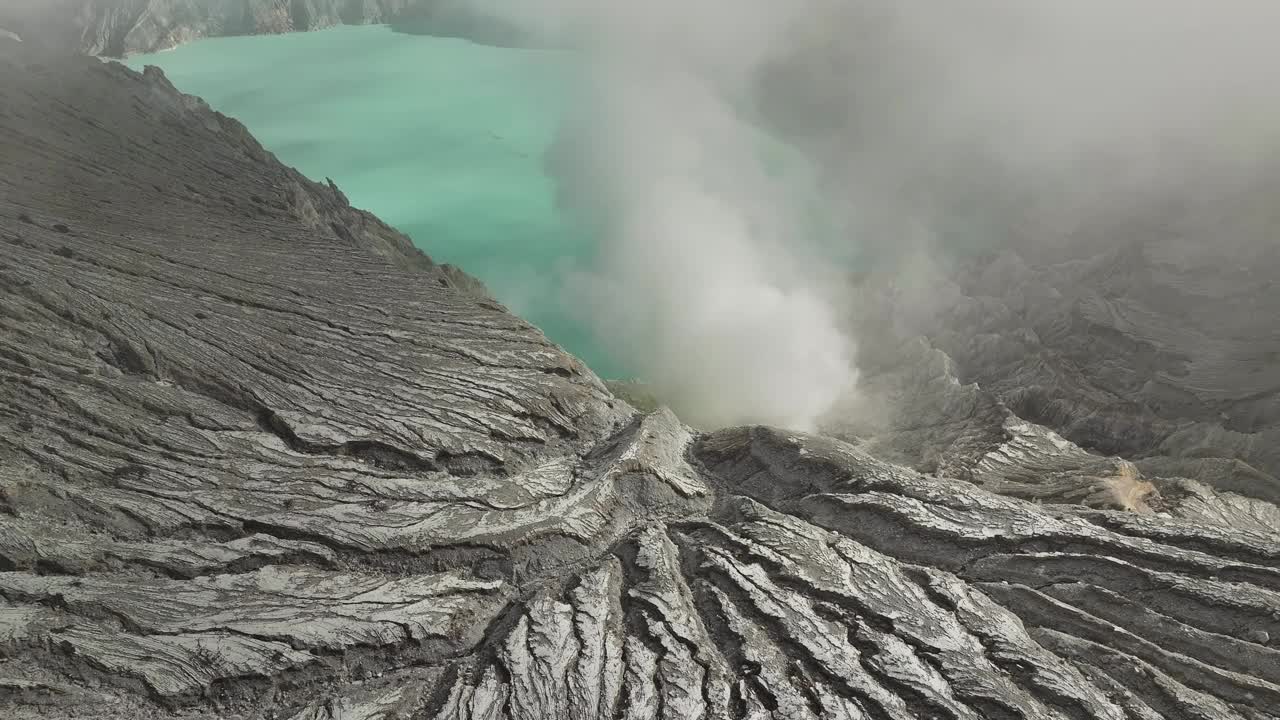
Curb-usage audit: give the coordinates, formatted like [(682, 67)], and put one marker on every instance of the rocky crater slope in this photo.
[(261, 459), (115, 28), (1157, 347)]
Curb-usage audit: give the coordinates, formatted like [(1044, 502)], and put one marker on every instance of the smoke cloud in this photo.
[(740, 158), (709, 282), (1041, 125)]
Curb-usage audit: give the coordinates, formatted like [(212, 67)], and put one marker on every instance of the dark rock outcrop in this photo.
[(261, 459), (1158, 350), (1161, 348)]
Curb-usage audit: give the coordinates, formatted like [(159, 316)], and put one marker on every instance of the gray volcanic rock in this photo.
[(955, 400), (1159, 350), (915, 411), (259, 458)]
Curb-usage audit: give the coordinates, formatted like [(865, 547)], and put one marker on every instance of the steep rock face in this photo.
[(115, 28), (1155, 348), (261, 459), (1158, 350)]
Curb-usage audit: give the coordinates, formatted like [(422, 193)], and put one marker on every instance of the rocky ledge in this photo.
[(259, 458)]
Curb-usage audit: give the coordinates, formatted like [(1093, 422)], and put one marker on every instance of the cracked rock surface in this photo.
[(261, 459)]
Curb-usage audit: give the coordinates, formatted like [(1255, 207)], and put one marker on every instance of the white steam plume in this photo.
[(708, 283), (1047, 128)]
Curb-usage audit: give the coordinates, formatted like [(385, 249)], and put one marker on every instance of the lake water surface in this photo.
[(440, 137)]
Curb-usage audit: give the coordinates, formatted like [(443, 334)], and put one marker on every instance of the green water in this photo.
[(440, 137)]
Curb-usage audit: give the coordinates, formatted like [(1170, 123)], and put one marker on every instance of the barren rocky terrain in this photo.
[(260, 458), (1158, 347)]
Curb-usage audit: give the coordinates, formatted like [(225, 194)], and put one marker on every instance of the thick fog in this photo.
[(705, 285), (1040, 114), (741, 159)]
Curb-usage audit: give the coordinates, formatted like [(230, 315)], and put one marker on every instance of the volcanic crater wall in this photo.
[(259, 458)]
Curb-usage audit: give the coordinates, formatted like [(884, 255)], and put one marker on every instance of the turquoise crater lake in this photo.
[(440, 137)]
